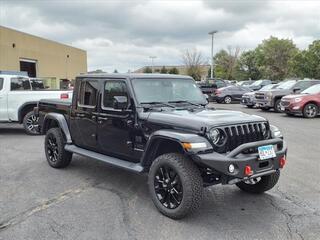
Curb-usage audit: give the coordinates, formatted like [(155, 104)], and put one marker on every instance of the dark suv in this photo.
[(272, 98), (160, 125)]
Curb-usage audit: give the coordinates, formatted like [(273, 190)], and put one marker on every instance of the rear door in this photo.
[(84, 117), (3, 102)]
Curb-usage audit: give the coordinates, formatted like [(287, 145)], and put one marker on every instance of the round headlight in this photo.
[(217, 136)]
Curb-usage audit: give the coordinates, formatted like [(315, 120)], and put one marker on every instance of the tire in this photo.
[(31, 124), (250, 106), (54, 144), (265, 109), (277, 106), (187, 184), (265, 184), (310, 110), (227, 100)]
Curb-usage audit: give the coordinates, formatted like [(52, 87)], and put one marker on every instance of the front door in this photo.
[(3, 102), (115, 126), (84, 117)]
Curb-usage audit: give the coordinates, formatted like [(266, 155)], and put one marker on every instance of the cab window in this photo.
[(88, 93), (20, 84), (112, 89), (1, 83)]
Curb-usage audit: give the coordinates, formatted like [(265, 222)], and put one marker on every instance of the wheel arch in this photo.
[(52, 120), (313, 102), (167, 141), (24, 109)]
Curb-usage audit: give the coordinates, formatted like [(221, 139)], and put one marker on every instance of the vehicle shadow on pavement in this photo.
[(12, 131)]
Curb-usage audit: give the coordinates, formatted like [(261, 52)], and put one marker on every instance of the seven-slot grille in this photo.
[(244, 133)]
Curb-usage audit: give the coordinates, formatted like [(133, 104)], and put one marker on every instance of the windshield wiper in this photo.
[(158, 103), (184, 101)]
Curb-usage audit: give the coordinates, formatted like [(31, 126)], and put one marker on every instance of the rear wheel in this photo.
[(227, 100), (277, 106), (310, 110), (175, 185), (54, 144), (31, 124), (261, 184)]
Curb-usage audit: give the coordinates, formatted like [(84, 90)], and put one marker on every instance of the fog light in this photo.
[(282, 161), (231, 168), (248, 171)]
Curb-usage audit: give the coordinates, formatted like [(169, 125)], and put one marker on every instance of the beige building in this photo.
[(181, 70), (40, 57)]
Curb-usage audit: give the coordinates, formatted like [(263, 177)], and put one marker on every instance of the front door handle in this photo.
[(80, 115), (102, 118)]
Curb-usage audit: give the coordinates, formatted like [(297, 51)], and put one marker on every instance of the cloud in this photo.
[(123, 34)]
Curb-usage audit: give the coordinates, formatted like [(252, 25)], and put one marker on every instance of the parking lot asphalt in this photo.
[(91, 200)]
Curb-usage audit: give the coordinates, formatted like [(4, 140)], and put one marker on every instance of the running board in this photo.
[(133, 167)]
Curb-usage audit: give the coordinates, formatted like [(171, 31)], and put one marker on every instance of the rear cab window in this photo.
[(20, 84), (88, 93)]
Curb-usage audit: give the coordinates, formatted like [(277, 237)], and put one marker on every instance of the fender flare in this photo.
[(32, 103), (62, 122), (170, 135)]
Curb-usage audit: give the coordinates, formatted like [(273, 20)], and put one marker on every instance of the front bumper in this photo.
[(293, 108), (248, 101), (264, 103), (220, 162)]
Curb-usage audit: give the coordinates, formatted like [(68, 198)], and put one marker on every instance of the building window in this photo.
[(29, 66)]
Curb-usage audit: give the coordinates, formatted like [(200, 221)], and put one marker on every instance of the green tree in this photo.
[(225, 63), (174, 70), (247, 66), (273, 57), (115, 71), (164, 70), (147, 70)]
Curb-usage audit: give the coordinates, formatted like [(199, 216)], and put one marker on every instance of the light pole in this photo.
[(152, 59), (212, 35)]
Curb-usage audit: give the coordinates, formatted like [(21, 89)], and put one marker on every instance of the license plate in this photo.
[(266, 152)]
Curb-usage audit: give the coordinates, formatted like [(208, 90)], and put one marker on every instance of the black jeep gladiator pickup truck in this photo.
[(160, 125)]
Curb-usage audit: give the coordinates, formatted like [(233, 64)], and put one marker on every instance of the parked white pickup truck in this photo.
[(18, 97)]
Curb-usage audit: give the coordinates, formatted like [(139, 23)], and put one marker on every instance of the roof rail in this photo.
[(14, 73)]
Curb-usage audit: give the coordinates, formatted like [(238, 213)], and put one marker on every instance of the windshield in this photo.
[(256, 83), (267, 87), (286, 84), (312, 90), (167, 90)]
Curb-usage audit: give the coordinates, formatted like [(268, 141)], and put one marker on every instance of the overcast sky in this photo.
[(123, 34)]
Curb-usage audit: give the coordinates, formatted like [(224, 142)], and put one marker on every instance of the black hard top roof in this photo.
[(131, 75)]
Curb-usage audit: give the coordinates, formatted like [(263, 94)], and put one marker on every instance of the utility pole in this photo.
[(152, 62), (212, 36)]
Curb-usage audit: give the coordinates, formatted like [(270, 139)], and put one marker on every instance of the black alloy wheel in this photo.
[(168, 187), (52, 148)]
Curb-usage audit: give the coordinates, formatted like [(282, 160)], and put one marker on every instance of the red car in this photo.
[(307, 103)]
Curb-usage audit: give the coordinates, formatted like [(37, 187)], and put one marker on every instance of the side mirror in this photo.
[(120, 102), (296, 89)]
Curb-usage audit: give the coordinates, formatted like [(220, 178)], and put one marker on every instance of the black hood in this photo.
[(196, 119)]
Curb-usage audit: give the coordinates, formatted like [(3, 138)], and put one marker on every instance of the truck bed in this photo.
[(61, 106)]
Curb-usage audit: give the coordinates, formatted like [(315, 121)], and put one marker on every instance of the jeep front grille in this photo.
[(244, 133)]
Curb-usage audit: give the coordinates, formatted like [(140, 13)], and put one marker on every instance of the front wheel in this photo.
[(31, 124), (310, 110), (261, 184), (277, 106), (175, 185), (54, 144)]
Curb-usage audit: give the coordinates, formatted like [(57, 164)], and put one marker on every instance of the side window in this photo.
[(1, 83), (20, 84), (112, 89), (88, 93), (220, 84)]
